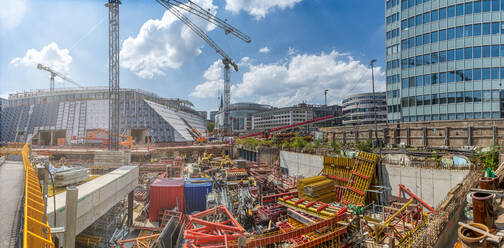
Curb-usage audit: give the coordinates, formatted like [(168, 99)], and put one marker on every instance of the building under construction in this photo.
[(66, 116)]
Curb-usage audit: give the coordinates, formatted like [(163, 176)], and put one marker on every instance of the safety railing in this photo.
[(36, 231)]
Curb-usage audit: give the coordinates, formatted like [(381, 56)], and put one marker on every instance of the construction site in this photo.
[(119, 167)]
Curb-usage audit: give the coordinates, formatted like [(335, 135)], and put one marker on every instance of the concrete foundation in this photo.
[(301, 164)]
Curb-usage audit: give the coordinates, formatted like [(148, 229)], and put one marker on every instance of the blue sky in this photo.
[(298, 49)]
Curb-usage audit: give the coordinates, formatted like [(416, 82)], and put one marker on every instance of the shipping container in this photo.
[(165, 193), (195, 194)]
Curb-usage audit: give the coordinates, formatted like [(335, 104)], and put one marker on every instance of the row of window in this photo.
[(451, 97), (392, 34), (452, 33), (453, 54), (392, 3), (453, 76), (394, 108), (468, 8), (393, 18), (452, 116), (393, 94)]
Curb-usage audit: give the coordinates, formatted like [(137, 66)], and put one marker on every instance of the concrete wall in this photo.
[(301, 164), (431, 185), (96, 197), (482, 133)]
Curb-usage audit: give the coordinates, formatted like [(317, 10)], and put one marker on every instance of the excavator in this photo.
[(197, 135), (92, 135)]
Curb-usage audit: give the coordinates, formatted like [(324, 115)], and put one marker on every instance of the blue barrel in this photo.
[(195, 194)]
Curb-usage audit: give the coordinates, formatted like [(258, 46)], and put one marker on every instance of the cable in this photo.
[(54, 195)]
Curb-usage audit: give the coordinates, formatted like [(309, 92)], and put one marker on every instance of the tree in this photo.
[(210, 126)]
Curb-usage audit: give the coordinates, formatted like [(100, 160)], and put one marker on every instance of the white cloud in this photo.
[(214, 84), (264, 50), (292, 51), (12, 13), (258, 8), (162, 44), (303, 77), (50, 55)]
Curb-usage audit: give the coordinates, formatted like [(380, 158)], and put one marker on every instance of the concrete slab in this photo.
[(11, 191), (301, 164), (96, 197)]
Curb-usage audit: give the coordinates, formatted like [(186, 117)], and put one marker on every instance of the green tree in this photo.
[(210, 126)]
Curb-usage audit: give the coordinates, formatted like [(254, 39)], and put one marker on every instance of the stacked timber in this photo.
[(317, 188)]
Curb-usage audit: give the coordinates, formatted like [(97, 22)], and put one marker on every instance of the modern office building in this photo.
[(212, 115), (358, 109), (48, 117), (240, 115), (3, 104), (203, 114), (445, 59)]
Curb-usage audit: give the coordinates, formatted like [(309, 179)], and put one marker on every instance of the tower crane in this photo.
[(173, 6), (55, 74)]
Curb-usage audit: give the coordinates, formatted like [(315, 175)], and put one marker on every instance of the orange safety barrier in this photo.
[(36, 233)]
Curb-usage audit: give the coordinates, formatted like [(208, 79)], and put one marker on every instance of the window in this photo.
[(486, 28), (459, 9), (419, 60), (442, 13), (418, 20), (502, 73), (442, 35), (468, 75), (434, 37), (411, 62), (451, 11), (434, 78), (487, 96), (495, 5), (468, 30), (427, 100), (452, 116), (477, 6), (486, 5), (495, 50), (435, 99), (468, 8), (426, 17), (427, 79), (426, 38), (404, 83), (460, 116), (459, 76), (477, 29), (411, 42), (451, 97), (477, 74), (450, 55), (460, 97), (419, 40), (477, 52), (419, 81), (459, 32), (404, 44), (412, 82), (442, 98), (459, 54), (434, 15), (434, 58), (451, 33), (442, 56), (419, 100), (404, 24), (485, 51), (442, 78), (404, 64), (389, 19), (468, 96), (477, 96), (495, 73), (486, 73), (451, 77), (411, 22), (468, 53), (404, 4), (426, 59), (495, 27)]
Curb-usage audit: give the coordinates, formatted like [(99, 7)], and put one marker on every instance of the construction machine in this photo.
[(55, 74), (93, 135)]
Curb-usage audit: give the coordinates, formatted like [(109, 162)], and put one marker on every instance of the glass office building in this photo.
[(445, 59)]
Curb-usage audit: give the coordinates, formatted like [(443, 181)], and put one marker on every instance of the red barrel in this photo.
[(483, 209), (486, 183)]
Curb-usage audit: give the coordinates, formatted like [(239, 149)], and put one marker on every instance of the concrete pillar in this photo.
[(469, 136), (408, 141), (45, 175), (370, 133), (494, 135), (130, 208), (72, 197), (356, 138), (394, 136), (344, 137), (447, 136), (385, 136), (424, 136)]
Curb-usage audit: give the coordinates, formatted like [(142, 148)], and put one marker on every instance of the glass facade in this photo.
[(446, 61)]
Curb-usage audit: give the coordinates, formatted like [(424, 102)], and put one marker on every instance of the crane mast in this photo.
[(55, 74), (113, 6), (173, 6)]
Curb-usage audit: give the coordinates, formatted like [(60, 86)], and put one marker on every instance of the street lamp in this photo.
[(325, 97), (374, 101)]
